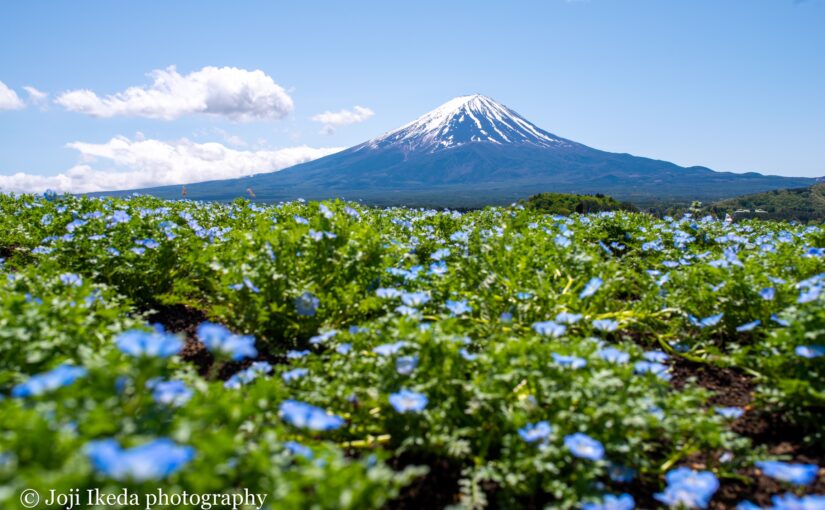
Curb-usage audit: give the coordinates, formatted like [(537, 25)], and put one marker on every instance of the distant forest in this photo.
[(566, 203), (801, 204), (805, 205)]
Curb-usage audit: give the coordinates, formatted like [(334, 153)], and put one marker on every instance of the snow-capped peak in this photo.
[(466, 119)]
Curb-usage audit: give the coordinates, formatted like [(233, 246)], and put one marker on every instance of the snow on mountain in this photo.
[(462, 120)]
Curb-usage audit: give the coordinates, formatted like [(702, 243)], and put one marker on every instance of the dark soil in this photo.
[(7, 251), (435, 490), (731, 387)]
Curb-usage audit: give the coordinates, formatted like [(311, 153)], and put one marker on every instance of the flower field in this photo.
[(331, 355)]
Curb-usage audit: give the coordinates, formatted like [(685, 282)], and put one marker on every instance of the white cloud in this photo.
[(145, 163), (344, 117), (9, 99), (236, 94), (36, 97)]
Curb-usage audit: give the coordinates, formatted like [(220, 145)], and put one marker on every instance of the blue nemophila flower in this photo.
[(768, 293), (294, 374), (460, 236), (535, 432), (246, 283), (747, 505), (74, 225), (408, 311), (522, 296), (748, 326), (307, 416), (171, 393), (613, 355), (297, 354), (656, 356), (71, 279), (408, 401), (731, 413), (606, 325), (658, 369), (440, 254), (584, 446), (31, 299), (315, 235), (148, 243), (300, 220), (260, 367), (438, 268), (782, 322), (155, 460), (573, 362), (298, 449), (688, 488), (352, 212), (467, 355), (415, 298), (562, 241), (119, 217), (549, 328), (797, 474), (326, 212), (793, 502), (307, 304), (221, 341), (387, 293), (611, 502), (323, 337), (45, 382), (506, 317), (809, 294), (248, 375), (709, 321), (810, 351), (591, 287), (568, 318), (405, 365), (138, 250), (344, 348), (137, 342), (389, 349), (458, 307)]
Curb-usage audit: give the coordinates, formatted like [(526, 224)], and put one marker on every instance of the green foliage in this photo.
[(464, 324)]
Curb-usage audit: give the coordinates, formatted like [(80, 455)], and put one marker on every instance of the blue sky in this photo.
[(736, 85)]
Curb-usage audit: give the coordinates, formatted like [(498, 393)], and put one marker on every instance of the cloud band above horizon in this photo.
[(135, 164)]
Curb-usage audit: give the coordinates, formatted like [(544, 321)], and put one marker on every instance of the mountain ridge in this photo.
[(473, 151)]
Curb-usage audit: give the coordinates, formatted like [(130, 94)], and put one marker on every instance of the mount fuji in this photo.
[(473, 151)]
